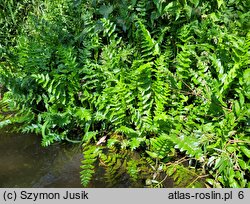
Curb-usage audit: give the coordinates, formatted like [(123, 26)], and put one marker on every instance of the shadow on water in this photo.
[(24, 163)]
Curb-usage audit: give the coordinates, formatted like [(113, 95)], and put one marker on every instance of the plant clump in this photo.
[(149, 88)]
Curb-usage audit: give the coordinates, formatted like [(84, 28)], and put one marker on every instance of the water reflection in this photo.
[(24, 163)]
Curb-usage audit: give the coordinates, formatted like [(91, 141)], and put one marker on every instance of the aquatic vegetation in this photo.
[(150, 88)]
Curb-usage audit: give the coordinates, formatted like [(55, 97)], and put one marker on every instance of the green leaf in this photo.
[(152, 154), (135, 143), (83, 114), (195, 2), (189, 143), (5, 123), (188, 10), (243, 164), (89, 135), (169, 6), (220, 2), (236, 108), (111, 142), (231, 149), (106, 10), (245, 150)]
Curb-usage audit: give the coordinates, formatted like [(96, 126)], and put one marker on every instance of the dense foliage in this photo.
[(150, 88)]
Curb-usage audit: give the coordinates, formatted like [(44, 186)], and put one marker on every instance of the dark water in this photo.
[(24, 163)]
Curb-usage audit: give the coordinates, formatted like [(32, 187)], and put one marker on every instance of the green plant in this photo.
[(136, 93)]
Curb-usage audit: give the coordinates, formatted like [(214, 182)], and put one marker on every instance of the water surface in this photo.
[(25, 163)]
